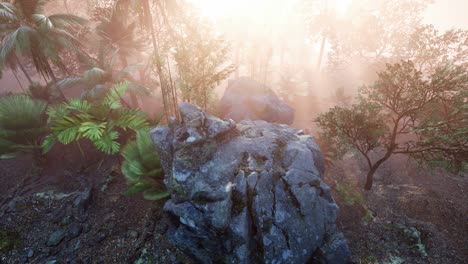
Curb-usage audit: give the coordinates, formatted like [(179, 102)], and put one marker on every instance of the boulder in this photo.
[(247, 99), (249, 192)]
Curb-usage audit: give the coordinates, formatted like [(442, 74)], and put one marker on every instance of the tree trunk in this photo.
[(169, 106), (370, 178), (54, 79), (373, 169), (24, 71), (322, 48), (19, 82)]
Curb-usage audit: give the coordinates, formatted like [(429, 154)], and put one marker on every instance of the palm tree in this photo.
[(118, 35), (27, 32), (101, 76), (145, 17)]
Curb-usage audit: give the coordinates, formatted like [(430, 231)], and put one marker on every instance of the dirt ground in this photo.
[(82, 208), (72, 210), (412, 214)]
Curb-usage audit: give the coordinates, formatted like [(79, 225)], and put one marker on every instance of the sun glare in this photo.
[(225, 9), (341, 6)]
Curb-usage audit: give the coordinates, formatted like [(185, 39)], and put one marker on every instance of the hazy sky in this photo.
[(446, 14)]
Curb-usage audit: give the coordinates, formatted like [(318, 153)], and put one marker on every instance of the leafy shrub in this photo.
[(142, 168), (22, 123), (101, 121), (351, 197)]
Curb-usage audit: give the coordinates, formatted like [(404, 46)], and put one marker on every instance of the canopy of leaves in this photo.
[(406, 112), (28, 32)]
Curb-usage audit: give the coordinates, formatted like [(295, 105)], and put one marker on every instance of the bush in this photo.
[(22, 124), (102, 122), (142, 168)]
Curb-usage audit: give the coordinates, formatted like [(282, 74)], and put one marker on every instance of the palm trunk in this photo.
[(133, 97), (24, 71), (164, 92), (19, 82), (54, 79)]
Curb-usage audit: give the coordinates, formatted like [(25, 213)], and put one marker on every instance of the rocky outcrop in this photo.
[(246, 99), (247, 193)]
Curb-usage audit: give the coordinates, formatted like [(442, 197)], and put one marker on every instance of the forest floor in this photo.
[(69, 212)]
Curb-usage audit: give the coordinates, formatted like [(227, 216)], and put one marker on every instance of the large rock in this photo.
[(246, 99), (247, 193)]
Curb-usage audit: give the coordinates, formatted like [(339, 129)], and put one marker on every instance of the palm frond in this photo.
[(7, 13), (114, 96), (142, 167), (107, 143), (132, 119), (69, 82), (138, 188), (43, 21), (92, 130), (67, 129), (22, 122), (67, 20), (95, 75), (154, 195), (79, 105)]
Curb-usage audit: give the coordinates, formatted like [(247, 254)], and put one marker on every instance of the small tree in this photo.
[(201, 62), (430, 110)]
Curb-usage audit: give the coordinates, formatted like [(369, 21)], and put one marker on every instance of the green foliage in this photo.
[(118, 35), (351, 197), (142, 168), (101, 121), (361, 126), (200, 60), (411, 236), (403, 101), (101, 76), (22, 123), (26, 31)]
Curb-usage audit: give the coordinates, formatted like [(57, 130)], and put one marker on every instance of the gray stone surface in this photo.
[(247, 193), (55, 238), (247, 99)]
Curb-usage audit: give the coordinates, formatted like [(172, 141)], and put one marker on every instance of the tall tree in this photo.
[(144, 12), (120, 36)]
